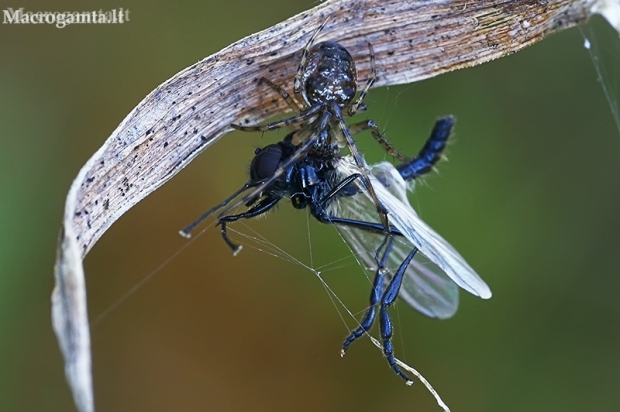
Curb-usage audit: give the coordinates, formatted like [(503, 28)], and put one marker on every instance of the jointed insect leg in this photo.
[(358, 224), (375, 295), (341, 189), (186, 232), (385, 324), (317, 209), (258, 209)]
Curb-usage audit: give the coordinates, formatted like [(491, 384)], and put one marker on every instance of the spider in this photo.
[(326, 84)]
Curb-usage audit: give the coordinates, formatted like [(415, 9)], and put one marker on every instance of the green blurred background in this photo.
[(530, 197)]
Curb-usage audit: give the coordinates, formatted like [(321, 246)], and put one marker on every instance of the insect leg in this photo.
[(431, 151), (375, 296), (342, 189), (258, 209), (317, 209), (186, 232), (358, 224), (385, 323)]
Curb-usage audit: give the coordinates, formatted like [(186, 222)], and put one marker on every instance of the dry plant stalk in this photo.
[(412, 40)]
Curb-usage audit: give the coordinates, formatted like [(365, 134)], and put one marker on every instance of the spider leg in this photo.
[(371, 80), (374, 129), (431, 151), (385, 323), (290, 100), (360, 163), (291, 121), (258, 209), (375, 296), (304, 57)]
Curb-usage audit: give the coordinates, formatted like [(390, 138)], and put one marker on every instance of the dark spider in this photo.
[(326, 84)]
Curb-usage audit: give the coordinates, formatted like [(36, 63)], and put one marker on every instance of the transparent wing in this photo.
[(426, 285)]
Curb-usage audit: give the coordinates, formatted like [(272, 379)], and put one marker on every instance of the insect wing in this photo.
[(391, 192), (425, 287)]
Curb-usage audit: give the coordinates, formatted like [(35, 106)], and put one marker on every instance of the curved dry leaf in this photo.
[(412, 40)]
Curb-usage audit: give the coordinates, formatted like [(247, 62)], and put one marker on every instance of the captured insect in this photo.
[(367, 205)]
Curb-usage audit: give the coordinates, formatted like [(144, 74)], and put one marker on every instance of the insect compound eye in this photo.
[(266, 162), (299, 201)]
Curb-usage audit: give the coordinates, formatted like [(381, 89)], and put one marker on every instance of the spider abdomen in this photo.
[(330, 75)]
